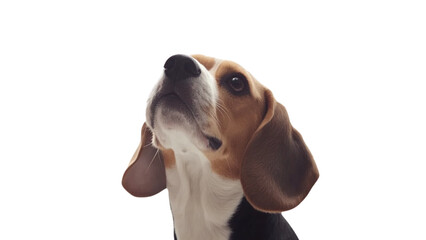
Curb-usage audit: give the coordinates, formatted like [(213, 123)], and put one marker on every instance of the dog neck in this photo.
[(202, 202)]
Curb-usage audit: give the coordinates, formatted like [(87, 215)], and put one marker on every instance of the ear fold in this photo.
[(145, 175), (278, 171)]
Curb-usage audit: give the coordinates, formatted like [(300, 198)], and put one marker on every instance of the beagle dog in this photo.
[(225, 150)]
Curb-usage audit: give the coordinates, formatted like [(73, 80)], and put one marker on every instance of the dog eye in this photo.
[(237, 84)]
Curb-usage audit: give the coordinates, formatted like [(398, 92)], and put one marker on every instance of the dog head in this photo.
[(218, 108)]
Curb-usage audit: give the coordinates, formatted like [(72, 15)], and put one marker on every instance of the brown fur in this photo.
[(238, 118), (207, 62), (168, 157), (277, 163)]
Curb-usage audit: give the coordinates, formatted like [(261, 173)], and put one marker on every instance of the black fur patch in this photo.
[(249, 224)]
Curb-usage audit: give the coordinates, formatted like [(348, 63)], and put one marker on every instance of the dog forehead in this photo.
[(220, 67), (207, 62)]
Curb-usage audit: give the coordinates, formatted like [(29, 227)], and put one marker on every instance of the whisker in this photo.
[(229, 165), (158, 150), (223, 110), (215, 118), (222, 106)]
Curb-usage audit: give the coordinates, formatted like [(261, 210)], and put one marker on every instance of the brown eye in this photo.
[(237, 84)]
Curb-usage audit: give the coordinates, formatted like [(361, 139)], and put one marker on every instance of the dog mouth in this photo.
[(174, 103)]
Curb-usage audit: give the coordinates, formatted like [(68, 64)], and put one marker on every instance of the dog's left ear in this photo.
[(278, 171)]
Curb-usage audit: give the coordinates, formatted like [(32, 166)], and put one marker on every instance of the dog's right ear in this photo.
[(145, 176)]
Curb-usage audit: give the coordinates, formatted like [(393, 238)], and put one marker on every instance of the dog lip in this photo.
[(168, 94), (159, 97), (156, 101), (213, 143)]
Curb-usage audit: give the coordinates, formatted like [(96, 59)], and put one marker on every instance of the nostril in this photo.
[(192, 69), (170, 63)]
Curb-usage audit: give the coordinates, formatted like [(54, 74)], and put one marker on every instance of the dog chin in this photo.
[(175, 126), (176, 131), (181, 139)]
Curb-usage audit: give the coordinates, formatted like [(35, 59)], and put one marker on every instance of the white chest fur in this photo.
[(202, 202)]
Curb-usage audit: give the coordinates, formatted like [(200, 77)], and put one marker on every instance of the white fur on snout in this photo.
[(204, 94), (210, 80)]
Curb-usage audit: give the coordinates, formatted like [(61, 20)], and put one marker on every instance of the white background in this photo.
[(75, 76)]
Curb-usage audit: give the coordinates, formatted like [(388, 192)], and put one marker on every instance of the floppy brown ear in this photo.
[(278, 171), (145, 175)]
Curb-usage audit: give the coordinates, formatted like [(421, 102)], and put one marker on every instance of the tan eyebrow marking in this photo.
[(228, 67), (208, 62)]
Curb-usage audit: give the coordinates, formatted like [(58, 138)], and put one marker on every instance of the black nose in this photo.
[(180, 67)]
